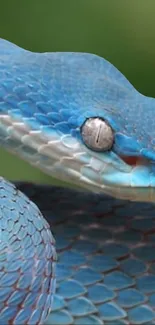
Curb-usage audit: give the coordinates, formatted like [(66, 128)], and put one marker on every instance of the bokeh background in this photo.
[(121, 31)]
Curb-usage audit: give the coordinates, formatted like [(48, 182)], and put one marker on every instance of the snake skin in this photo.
[(27, 260), (106, 262), (105, 271)]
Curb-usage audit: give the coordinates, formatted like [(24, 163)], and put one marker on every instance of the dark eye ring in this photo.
[(97, 134)]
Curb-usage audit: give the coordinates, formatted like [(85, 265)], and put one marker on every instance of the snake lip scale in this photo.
[(77, 118)]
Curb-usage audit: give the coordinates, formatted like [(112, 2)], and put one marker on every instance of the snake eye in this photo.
[(97, 134)]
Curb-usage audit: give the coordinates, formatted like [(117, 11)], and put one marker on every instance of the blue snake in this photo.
[(77, 118)]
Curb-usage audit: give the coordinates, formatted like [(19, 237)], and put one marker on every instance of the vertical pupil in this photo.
[(98, 134)]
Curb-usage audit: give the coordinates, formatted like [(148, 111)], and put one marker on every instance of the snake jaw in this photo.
[(66, 158)]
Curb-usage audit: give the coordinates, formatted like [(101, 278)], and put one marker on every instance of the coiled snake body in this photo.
[(60, 111)]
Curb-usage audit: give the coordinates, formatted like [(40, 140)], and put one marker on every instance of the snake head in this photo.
[(75, 116)]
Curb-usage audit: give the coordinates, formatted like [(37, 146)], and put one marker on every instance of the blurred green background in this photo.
[(121, 31)]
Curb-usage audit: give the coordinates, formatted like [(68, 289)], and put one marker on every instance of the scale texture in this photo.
[(44, 100), (106, 262), (27, 260), (106, 248)]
